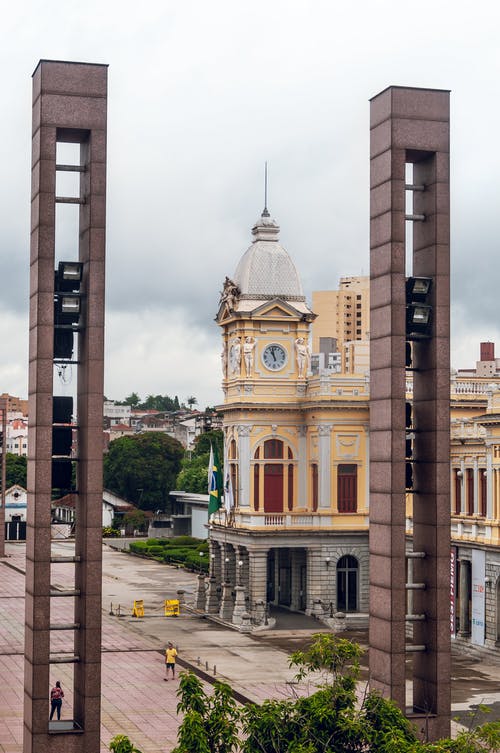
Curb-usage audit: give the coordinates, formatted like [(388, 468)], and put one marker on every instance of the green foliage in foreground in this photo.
[(331, 720), (122, 744)]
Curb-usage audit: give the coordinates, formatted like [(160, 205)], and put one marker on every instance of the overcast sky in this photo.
[(201, 94)]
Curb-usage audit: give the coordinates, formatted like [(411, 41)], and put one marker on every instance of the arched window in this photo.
[(347, 584), (273, 449)]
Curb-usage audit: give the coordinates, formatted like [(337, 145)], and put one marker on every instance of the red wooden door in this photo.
[(273, 487)]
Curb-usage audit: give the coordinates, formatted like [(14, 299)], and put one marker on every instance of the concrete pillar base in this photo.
[(239, 606), (227, 605), (212, 597), (201, 594)]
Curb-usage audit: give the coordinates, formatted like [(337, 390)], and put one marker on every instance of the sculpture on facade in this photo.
[(235, 355), (303, 356), (248, 354), (229, 294), (223, 359)]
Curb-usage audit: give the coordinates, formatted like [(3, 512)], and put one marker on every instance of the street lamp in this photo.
[(240, 565)]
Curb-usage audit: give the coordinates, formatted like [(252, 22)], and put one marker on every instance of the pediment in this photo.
[(276, 309), (224, 314)]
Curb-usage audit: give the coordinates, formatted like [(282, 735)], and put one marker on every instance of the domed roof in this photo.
[(266, 271)]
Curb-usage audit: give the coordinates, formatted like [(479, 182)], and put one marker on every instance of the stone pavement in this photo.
[(135, 699)]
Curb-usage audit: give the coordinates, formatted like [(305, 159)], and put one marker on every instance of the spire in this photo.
[(265, 212)]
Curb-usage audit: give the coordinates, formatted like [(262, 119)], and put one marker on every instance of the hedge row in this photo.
[(184, 550)]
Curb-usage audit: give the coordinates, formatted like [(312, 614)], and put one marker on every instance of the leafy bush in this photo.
[(184, 541), (156, 542), (110, 533), (179, 553), (155, 551), (122, 744), (139, 547), (194, 560)]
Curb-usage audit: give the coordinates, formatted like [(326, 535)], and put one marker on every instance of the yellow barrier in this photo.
[(138, 610), (172, 608)]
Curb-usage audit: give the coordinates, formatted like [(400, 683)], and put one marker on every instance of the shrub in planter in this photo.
[(178, 554), (155, 551), (194, 560), (139, 547)]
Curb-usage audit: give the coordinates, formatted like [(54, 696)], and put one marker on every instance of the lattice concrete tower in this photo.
[(409, 438), (66, 331)]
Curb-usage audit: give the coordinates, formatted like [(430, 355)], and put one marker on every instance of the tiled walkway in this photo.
[(136, 700)]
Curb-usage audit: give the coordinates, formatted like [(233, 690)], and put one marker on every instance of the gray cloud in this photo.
[(200, 96)]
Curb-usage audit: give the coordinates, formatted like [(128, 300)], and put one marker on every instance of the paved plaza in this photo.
[(135, 699)]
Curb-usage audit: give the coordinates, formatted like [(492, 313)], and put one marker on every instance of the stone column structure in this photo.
[(325, 469), (244, 465), (69, 105), (410, 127)]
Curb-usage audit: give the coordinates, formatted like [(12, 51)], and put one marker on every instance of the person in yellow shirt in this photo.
[(170, 655)]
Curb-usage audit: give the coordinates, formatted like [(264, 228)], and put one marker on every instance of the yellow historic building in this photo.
[(475, 501), (296, 450), (297, 453)]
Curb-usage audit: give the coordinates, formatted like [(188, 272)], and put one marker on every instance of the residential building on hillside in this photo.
[(15, 404)]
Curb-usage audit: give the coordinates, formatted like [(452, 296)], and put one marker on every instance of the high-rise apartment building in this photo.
[(344, 317)]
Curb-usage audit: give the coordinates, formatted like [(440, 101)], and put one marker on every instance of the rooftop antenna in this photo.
[(265, 213)]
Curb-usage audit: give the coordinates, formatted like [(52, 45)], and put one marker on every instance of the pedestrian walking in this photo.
[(56, 696), (170, 656)]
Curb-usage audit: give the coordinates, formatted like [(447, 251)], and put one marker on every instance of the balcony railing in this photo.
[(295, 520)]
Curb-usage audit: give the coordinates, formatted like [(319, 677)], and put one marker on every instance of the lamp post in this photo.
[(201, 560), (240, 566)]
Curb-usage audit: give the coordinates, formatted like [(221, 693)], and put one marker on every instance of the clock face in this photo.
[(274, 357)]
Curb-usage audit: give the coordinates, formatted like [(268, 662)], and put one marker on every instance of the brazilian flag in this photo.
[(215, 485)]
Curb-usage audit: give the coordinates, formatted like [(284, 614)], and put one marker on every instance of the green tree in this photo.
[(331, 720), (203, 441), (190, 401), (194, 472), (133, 400), (16, 470), (143, 468)]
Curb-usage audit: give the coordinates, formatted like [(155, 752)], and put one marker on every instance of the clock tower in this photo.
[(270, 542)]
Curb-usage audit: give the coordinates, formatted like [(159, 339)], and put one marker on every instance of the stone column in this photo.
[(314, 577), (258, 579), (476, 487), (244, 465), (201, 593), (302, 467), (324, 470), (227, 603), (489, 484), (464, 598), (239, 605)]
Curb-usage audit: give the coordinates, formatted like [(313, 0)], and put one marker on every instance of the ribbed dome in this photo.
[(266, 271)]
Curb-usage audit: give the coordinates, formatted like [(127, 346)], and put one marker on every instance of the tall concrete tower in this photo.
[(409, 439), (66, 330)]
